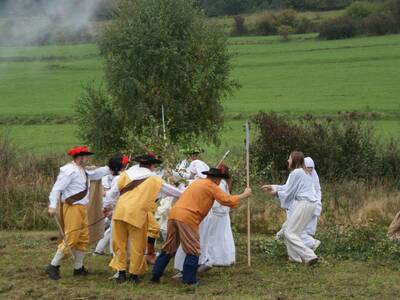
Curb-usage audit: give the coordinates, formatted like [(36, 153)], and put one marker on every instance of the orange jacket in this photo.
[(195, 203)]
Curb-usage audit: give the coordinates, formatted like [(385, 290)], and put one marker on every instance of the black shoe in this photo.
[(81, 272), (53, 272), (155, 280), (121, 277), (134, 278)]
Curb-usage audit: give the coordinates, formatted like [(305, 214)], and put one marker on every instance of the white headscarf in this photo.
[(309, 163)]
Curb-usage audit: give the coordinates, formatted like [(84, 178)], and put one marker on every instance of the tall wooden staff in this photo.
[(163, 123), (248, 185)]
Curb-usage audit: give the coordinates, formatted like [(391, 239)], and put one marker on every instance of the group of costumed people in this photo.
[(188, 208)]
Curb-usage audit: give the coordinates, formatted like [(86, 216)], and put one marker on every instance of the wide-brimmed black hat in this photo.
[(218, 173), (148, 159)]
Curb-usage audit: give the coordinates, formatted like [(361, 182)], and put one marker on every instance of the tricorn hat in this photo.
[(148, 159), (218, 173), (80, 150)]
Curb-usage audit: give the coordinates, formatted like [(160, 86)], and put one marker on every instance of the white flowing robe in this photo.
[(298, 195)]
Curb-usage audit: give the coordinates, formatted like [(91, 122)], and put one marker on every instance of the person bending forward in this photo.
[(184, 220), (137, 188)]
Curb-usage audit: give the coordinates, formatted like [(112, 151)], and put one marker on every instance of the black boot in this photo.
[(159, 267), (81, 272), (53, 272), (134, 278), (121, 277)]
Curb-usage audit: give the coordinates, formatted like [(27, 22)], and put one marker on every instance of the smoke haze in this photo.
[(32, 22)]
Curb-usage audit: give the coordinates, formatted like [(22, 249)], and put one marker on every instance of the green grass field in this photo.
[(304, 75), (24, 256)]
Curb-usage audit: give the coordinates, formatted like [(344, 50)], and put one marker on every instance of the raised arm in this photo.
[(169, 190), (98, 173)]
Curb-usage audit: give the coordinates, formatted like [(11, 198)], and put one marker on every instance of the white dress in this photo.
[(220, 245), (105, 242), (298, 196), (309, 233)]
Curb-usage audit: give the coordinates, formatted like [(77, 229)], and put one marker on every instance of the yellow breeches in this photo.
[(153, 230), (122, 233), (76, 229)]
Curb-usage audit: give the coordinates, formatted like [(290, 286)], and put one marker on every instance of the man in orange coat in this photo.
[(184, 219)]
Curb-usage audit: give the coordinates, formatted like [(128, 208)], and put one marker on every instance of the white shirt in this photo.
[(72, 180), (107, 182), (137, 173), (299, 186), (163, 211)]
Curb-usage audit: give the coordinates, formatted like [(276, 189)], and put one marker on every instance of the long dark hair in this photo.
[(297, 160), (225, 170)]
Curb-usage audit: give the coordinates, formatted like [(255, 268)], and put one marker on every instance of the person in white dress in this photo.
[(309, 233), (220, 248), (311, 229), (299, 196), (116, 165)]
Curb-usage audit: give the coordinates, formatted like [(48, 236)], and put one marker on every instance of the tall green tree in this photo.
[(163, 52)]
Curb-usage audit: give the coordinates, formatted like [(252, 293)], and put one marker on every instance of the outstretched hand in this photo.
[(269, 190)]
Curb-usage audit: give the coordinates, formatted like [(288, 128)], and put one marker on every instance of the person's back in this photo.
[(195, 202), (302, 186), (132, 207)]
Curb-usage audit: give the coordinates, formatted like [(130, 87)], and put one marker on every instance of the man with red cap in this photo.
[(72, 188)]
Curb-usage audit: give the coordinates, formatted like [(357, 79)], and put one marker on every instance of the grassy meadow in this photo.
[(304, 75), (266, 279), (39, 85)]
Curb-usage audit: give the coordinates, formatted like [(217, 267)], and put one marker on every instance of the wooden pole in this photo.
[(64, 238), (163, 123), (248, 185)]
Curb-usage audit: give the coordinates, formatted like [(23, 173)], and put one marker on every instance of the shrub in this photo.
[(287, 17), (337, 28), (239, 26), (360, 10), (267, 24), (284, 31), (342, 149), (25, 182), (378, 24), (303, 25)]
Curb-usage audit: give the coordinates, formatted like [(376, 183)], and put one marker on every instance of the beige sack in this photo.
[(95, 212)]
